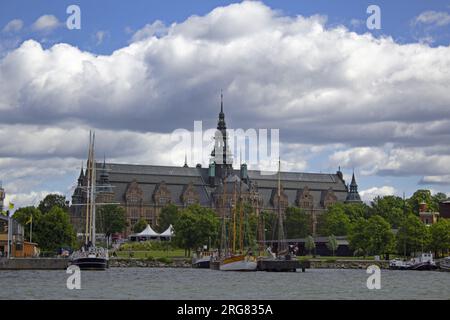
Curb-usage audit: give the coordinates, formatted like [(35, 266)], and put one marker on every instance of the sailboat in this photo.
[(281, 259), (90, 257), (231, 259)]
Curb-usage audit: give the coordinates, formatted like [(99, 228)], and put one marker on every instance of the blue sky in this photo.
[(108, 26)]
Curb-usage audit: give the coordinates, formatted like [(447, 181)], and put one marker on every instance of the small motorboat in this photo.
[(422, 262), (94, 258)]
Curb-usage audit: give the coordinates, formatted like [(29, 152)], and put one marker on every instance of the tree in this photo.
[(438, 197), (357, 236), (422, 196), (169, 215), (111, 219), (310, 245), (413, 236), (23, 216), (52, 200), (392, 208), (440, 236), (140, 225), (53, 230), (355, 211), (196, 226), (379, 236), (336, 222), (332, 244), (372, 236), (298, 223)]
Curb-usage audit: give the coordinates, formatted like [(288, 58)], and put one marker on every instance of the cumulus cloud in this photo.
[(46, 23), (369, 194), (13, 26), (366, 102), (156, 29)]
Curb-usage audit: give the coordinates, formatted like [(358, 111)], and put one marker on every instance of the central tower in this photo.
[(221, 164)]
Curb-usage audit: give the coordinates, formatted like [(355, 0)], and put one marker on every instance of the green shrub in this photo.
[(165, 260)]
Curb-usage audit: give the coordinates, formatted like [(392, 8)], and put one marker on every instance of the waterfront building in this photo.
[(427, 217), (444, 209), (19, 247), (143, 190)]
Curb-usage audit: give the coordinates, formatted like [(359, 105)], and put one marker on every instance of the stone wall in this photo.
[(149, 263), (346, 264), (33, 264)]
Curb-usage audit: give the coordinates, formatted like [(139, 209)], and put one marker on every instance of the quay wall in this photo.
[(346, 264), (33, 264)]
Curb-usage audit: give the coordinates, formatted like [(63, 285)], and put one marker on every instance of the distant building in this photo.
[(444, 209), (427, 217), (19, 247), (143, 190)]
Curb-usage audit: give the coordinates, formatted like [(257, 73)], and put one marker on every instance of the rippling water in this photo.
[(167, 283)]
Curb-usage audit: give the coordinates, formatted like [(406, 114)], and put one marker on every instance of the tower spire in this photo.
[(221, 101)]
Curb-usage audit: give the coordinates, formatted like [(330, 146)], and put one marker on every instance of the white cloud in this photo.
[(156, 29), (46, 23), (327, 89), (100, 36), (433, 18), (442, 179), (13, 26), (369, 194)]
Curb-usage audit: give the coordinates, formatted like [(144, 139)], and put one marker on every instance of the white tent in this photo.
[(168, 233), (148, 232)]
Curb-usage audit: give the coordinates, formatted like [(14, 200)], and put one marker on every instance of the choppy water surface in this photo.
[(167, 283)]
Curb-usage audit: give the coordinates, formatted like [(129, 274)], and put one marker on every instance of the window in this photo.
[(163, 201)]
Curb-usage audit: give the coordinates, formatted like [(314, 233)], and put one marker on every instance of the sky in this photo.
[(376, 101)]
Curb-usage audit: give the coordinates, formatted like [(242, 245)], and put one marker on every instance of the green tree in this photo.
[(269, 219), (23, 216), (53, 200), (422, 196), (357, 237), (392, 208), (195, 227), (111, 219), (336, 222), (440, 237), (438, 197), (310, 245), (169, 215), (379, 236), (332, 244), (412, 236), (298, 223), (354, 211), (53, 230), (140, 225)]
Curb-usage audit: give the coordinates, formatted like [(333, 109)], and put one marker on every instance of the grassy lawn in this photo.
[(177, 253)]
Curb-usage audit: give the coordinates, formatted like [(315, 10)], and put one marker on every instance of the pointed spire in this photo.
[(185, 161), (353, 183), (221, 101)]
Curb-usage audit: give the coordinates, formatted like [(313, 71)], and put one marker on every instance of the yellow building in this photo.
[(19, 247)]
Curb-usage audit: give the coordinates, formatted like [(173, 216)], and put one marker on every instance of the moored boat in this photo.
[(423, 262), (444, 264), (202, 261), (238, 263), (95, 258)]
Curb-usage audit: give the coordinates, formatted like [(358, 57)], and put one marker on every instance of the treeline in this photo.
[(389, 225), (50, 225)]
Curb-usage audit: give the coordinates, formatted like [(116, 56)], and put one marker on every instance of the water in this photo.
[(168, 283)]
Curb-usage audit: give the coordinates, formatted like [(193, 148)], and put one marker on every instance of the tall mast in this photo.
[(241, 220), (93, 193), (280, 217), (234, 218), (88, 193)]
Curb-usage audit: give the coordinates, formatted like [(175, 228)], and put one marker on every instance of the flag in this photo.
[(30, 220), (11, 206)]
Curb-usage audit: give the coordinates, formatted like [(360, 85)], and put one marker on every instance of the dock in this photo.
[(280, 265)]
